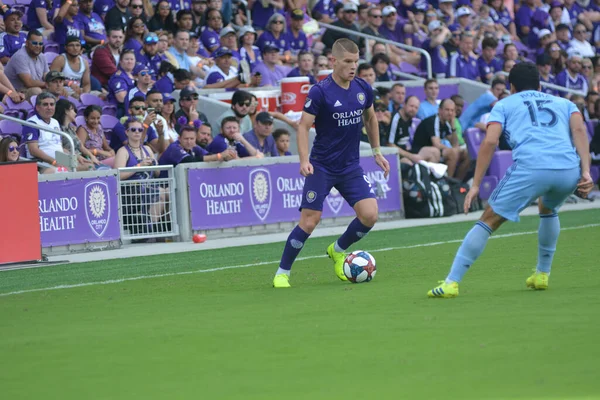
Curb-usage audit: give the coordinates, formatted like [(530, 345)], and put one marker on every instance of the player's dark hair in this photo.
[(489, 42), (363, 67), (524, 76), (137, 99), (428, 82), (561, 27), (240, 96), (280, 132), (231, 118), (166, 67), (182, 13), (33, 32)]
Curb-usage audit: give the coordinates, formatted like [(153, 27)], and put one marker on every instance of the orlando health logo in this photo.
[(261, 192), (97, 206)]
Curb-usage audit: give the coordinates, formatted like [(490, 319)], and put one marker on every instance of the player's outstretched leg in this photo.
[(366, 217), (294, 244), (548, 232), (469, 251)]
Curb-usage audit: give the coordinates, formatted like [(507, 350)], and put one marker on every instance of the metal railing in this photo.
[(424, 53), (68, 160), (552, 86), (148, 204)]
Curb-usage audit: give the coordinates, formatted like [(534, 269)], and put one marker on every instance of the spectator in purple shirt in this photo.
[(523, 18), (563, 36), (544, 66), (149, 56), (66, 24), (260, 137), (263, 11), (101, 7), (446, 12), (296, 37), (228, 39), (575, 11), (94, 32), (571, 78), (501, 16), (271, 72), (12, 39), (134, 36), (230, 138), (394, 28), (248, 51), (306, 62), (462, 64), (39, 16), (275, 35), (120, 83), (210, 35), (434, 46), (487, 63), (185, 150), (324, 11), (463, 19)]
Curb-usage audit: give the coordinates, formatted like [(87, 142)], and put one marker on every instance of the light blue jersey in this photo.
[(536, 126)]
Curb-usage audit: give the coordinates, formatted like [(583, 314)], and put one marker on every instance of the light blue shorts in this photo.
[(520, 186)]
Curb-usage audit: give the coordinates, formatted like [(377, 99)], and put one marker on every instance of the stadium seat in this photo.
[(79, 120), (473, 138), (50, 56), (488, 184), (595, 173), (409, 68), (108, 123), (89, 100), (10, 128), (17, 110), (501, 160)]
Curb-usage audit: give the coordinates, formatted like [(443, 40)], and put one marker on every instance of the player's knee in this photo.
[(543, 209), (369, 219), (309, 223)]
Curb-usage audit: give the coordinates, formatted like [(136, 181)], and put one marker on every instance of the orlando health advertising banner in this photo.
[(77, 211), (255, 195)]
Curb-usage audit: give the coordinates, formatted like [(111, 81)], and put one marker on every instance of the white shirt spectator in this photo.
[(48, 142), (584, 48)]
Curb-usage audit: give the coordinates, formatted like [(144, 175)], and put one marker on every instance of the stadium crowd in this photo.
[(70, 64)]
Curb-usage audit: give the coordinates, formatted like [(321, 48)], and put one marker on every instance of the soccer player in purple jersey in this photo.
[(338, 106)]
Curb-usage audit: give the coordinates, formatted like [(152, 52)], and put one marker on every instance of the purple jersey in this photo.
[(261, 14), (325, 7), (269, 149), (460, 66), (574, 12), (523, 17), (93, 26), (439, 58), (152, 63), (220, 143), (564, 79), (119, 82), (396, 34), (488, 68), (177, 5), (551, 79), (9, 44), (296, 73), (101, 7), (338, 121), (33, 21), (270, 77), (245, 56), (210, 39), (67, 28), (134, 45), (164, 85), (267, 38), (175, 154), (297, 44), (501, 17)]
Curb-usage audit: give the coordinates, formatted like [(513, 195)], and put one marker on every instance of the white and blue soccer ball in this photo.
[(359, 266)]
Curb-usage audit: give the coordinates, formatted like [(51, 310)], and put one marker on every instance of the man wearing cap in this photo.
[(347, 22), (544, 38), (231, 138), (55, 82), (228, 39), (435, 47), (66, 24), (74, 68), (261, 136), (393, 28), (188, 107), (210, 35), (463, 17), (94, 32), (28, 66), (143, 82), (222, 74), (262, 11), (487, 63), (149, 56), (373, 27), (296, 37), (241, 102), (462, 64), (12, 39), (446, 12), (270, 71), (324, 11), (544, 66), (105, 59), (570, 77)]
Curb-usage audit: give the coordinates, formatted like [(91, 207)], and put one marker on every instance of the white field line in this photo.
[(137, 278)]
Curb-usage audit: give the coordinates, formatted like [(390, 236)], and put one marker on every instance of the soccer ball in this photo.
[(359, 266)]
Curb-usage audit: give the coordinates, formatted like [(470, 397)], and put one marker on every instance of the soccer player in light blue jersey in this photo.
[(337, 106), (551, 161)]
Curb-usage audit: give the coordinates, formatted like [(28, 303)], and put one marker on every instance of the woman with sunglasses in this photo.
[(122, 81), (275, 35), (553, 50), (94, 139), (134, 153), (248, 51), (134, 36), (9, 150), (162, 20)]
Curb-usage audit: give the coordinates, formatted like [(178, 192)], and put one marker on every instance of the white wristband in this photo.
[(376, 151)]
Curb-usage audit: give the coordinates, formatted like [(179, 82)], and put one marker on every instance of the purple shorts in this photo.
[(354, 186)]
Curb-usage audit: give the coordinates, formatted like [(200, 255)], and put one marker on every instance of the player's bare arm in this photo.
[(306, 122), (372, 126), (580, 140)]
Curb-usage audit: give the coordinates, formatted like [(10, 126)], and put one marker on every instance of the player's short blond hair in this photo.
[(344, 45)]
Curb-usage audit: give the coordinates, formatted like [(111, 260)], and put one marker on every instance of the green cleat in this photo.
[(538, 281), (281, 281), (445, 290), (338, 261)]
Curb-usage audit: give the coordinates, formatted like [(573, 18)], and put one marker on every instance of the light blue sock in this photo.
[(470, 249), (547, 237)]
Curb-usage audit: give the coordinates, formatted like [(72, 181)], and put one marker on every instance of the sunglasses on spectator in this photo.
[(139, 25), (350, 11), (137, 6), (37, 43), (586, 67), (164, 7), (580, 31), (13, 148), (138, 108), (246, 103), (195, 97), (144, 73), (278, 21), (139, 130), (376, 16)]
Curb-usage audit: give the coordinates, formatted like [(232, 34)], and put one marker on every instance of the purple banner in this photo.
[(244, 196), (79, 211)]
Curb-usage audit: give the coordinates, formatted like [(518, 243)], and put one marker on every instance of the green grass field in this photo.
[(227, 334)]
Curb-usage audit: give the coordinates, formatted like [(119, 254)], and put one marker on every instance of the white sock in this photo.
[(283, 271), (337, 247)]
